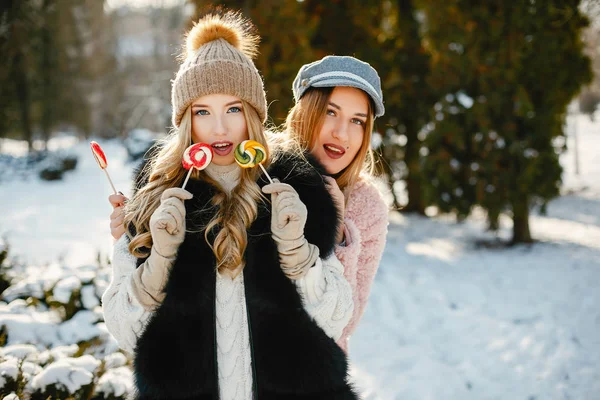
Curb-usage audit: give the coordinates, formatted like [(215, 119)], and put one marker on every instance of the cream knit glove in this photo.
[(167, 227), (288, 217)]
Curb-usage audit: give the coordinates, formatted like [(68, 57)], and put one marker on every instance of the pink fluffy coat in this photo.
[(366, 223)]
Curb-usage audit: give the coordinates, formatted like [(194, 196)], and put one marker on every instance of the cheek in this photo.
[(240, 128), (196, 134), (244, 131), (321, 138), (200, 129), (355, 142)]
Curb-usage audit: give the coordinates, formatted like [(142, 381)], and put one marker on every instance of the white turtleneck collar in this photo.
[(228, 176)]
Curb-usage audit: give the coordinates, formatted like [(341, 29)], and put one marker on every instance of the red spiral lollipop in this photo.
[(101, 160), (99, 154), (197, 156)]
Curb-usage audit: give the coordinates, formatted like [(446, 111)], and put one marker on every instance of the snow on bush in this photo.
[(54, 343)]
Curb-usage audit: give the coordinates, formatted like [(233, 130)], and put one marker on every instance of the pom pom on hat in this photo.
[(230, 26)]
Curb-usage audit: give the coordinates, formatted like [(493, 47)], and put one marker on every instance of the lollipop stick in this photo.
[(266, 173), (110, 180), (187, 177)]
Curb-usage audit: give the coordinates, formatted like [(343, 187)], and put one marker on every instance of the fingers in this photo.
[(335, 192), (168, 223), (286, 204), (117, 231), (179, 193), (286, 199), (116, 222), (165, 221), (288, 207), (170, 215), (329, 180), (116, 217), (286, 196), (170, 219), (175, 207), (278, 187), (279, 191), (116, 212), (332, 186), (287, 214), (117, 200)]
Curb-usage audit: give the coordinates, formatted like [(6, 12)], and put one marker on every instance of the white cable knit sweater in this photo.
[(326, 293)]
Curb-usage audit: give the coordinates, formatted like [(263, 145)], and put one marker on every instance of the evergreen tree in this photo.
[(508, 72), (46, 73), (405, 69), (18, 20)]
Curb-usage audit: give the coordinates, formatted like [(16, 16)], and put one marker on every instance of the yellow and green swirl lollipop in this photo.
[(250, 153)]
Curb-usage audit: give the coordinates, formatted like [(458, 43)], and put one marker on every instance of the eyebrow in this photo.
[(332, 104), (207, 106)]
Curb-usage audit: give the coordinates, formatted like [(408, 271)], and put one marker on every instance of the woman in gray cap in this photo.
[(337, 100)]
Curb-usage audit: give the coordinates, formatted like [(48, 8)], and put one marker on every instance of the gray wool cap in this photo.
[(331, 71)]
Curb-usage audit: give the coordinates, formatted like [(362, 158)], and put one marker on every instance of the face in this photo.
[(343, 129), (218, 120)]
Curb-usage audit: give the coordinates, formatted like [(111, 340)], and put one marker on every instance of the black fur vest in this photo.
[(292, 358)]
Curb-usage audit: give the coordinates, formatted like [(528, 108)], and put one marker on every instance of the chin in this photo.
[(332, 171), (222, 163), (329, 165)]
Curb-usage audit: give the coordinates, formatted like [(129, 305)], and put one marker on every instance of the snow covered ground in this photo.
[(45, 221), (450, 320), (447, 319)]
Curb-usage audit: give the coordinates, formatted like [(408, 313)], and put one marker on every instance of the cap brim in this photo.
[(379, 110)]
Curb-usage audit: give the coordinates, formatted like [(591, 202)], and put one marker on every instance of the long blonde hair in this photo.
[(304, 122), (237, 210)]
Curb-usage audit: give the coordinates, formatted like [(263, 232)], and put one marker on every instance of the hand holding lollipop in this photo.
[(250, 153), (197, 156), (101, 160)]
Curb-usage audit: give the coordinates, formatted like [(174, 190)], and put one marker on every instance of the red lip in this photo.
[(222, 147), (332, 153)]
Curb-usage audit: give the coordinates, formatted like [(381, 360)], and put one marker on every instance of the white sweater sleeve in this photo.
[(124, 316), (327, 296)]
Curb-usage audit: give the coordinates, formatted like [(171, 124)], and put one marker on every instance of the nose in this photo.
[(220, 127), (340, 132)]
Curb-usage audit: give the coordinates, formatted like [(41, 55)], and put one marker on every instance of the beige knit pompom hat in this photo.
[(217, 58)]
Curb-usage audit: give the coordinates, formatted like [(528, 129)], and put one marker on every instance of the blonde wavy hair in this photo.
[(304, 122), (237, 210)]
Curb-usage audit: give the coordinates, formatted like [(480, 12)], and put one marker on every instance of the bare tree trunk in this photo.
[(387, 170), (46, 71), (521, 233), (22, 89), (413, 178)]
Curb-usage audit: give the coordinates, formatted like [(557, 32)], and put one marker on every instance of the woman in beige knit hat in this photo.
[(228, 289)]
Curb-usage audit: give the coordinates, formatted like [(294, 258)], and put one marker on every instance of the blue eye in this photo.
[(234, 110), (358, 121), (202, 112), (331, 112)]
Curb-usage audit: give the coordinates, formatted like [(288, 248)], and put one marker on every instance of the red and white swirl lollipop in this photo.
[(101, 160), (196, 156)]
